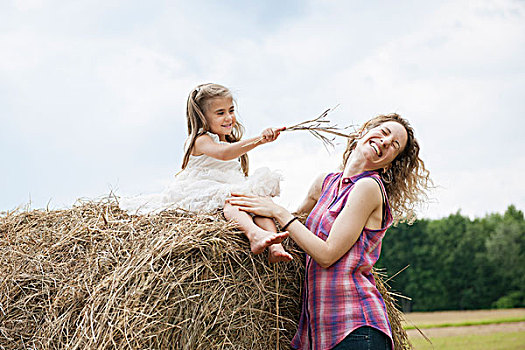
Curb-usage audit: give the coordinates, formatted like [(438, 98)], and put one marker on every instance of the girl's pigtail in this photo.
[(195, 122)]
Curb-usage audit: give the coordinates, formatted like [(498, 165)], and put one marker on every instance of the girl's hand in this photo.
[(271, 134), (262, 206)]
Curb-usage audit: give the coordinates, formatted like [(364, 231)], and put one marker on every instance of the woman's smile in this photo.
[(376, 148)]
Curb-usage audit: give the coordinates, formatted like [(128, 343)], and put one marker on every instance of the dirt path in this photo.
[(482, 329), (422, 318)]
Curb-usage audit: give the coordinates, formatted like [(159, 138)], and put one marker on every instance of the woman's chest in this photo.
[(326, 211)]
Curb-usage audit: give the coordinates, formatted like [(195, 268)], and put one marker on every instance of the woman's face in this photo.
[(382, 144)]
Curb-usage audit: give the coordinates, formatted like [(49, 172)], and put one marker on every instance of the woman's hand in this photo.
[(271, 134), (262, 206)]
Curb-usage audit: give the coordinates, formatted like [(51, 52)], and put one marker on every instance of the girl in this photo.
[(215, 164)]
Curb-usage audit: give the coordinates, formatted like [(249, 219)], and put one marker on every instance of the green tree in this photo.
[(506, 251), (458, 263)]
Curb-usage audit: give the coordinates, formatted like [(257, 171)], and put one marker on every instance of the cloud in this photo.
[(28, 5), (97, 91), (476, 192)]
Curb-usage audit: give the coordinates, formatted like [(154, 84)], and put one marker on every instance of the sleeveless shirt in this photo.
[(343, 297)]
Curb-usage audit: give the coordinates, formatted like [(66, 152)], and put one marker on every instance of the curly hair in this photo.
[(198, 101), (407, 180)]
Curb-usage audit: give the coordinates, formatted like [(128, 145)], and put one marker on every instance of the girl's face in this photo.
[(220, 115), (382, 144)]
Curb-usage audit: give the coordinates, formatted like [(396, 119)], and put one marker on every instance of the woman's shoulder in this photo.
[(318, 185), (370, 182), (326, 179), (368, 187)]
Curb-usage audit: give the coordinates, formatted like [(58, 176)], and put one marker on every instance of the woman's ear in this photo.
[(387, 168)]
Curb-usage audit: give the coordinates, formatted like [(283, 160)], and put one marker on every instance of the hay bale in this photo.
[(94, 277)]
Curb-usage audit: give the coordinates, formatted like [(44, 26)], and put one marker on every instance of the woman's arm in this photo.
[(364, 199), (313, 196), (204, 144)]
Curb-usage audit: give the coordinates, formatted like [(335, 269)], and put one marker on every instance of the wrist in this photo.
[(282, 215)]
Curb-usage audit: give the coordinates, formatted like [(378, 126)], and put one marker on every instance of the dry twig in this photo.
[(317, 127)]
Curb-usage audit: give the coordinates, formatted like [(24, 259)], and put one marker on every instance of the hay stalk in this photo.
[(317, 127)]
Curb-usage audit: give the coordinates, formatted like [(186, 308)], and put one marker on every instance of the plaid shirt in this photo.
[(343, 297)]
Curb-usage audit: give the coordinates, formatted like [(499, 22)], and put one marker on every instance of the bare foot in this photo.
[(278, 254), (261, 239)]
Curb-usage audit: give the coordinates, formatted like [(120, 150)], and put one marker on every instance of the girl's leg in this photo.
[(276, 251), (258, 237)]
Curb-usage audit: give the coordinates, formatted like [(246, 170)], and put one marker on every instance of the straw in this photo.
[(317, 127), (94, 277)]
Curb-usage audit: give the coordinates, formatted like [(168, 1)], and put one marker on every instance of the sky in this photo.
[(93, 93)]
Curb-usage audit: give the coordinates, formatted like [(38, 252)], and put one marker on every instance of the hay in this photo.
[(93, 277)]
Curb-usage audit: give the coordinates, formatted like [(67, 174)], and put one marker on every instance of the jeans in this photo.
[(365, 338)]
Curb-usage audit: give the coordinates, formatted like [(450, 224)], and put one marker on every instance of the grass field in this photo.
[(468, 330), (493, 341)]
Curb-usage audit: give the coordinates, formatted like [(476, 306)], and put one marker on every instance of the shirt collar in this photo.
[(353, 179)]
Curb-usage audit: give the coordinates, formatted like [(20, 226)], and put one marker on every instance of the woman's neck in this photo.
[(354, 165)]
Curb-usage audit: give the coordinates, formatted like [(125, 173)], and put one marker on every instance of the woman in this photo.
[(382, 180)]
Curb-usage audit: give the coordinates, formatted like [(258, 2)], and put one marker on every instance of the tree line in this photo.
[(456, 263)]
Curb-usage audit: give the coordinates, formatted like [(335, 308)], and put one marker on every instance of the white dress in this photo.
[(204, 185)]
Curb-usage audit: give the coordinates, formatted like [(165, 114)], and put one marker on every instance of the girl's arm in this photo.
[(362, 202), (314, 193), (204, 144)]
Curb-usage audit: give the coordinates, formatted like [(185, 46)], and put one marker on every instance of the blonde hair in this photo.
[(407, 180), (198, 102)]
